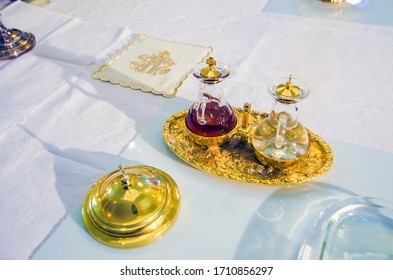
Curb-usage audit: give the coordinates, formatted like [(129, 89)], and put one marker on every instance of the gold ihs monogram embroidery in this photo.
[(154, 64)]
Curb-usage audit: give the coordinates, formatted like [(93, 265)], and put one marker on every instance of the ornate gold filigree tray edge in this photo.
[(239, 162)]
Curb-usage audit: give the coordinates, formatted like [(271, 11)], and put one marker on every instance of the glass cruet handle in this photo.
[(281, 130), (201, 110)]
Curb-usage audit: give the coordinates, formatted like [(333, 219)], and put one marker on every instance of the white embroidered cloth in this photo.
[(152, 65)]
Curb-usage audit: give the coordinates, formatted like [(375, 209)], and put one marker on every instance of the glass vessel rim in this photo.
[(304, 90), (223, 68)]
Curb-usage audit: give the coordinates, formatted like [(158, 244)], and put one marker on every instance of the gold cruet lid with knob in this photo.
[(131, 206), (211, 71), (288, 92)]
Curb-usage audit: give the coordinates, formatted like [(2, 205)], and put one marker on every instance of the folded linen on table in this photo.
[(61, 37), (38, 184), (27, 82), (61, 54), (32, 19), (92, 116), (81, 43)]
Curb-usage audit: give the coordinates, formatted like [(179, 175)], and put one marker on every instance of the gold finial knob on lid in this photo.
[(288, 90), (210, 71), (125, 180)]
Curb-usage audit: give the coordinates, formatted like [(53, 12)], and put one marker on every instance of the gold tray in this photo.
[(239, 162)]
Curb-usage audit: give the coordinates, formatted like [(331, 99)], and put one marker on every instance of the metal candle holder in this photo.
[(14, 43)]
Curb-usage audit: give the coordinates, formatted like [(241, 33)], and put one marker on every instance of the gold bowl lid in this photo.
[(131, 206)]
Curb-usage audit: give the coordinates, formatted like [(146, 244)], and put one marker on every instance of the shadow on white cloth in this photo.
[(71, 184)]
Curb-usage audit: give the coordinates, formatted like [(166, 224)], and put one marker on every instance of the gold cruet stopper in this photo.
[(210, 71), (288, 90)]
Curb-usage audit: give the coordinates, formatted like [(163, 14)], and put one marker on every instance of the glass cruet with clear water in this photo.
[(211, 115), (280, 139)]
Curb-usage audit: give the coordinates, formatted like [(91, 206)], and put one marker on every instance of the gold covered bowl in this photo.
[(131, 207)]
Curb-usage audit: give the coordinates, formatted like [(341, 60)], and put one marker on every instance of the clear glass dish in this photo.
[(359, 228)]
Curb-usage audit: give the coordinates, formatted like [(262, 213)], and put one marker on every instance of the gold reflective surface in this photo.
[(131, 207), (213, 140), (238, 161), (288, 90), (210, 70)]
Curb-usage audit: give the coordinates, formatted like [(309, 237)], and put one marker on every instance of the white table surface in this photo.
[(60, 130)]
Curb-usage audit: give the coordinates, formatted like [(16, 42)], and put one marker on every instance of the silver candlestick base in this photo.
[(14, 43)]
